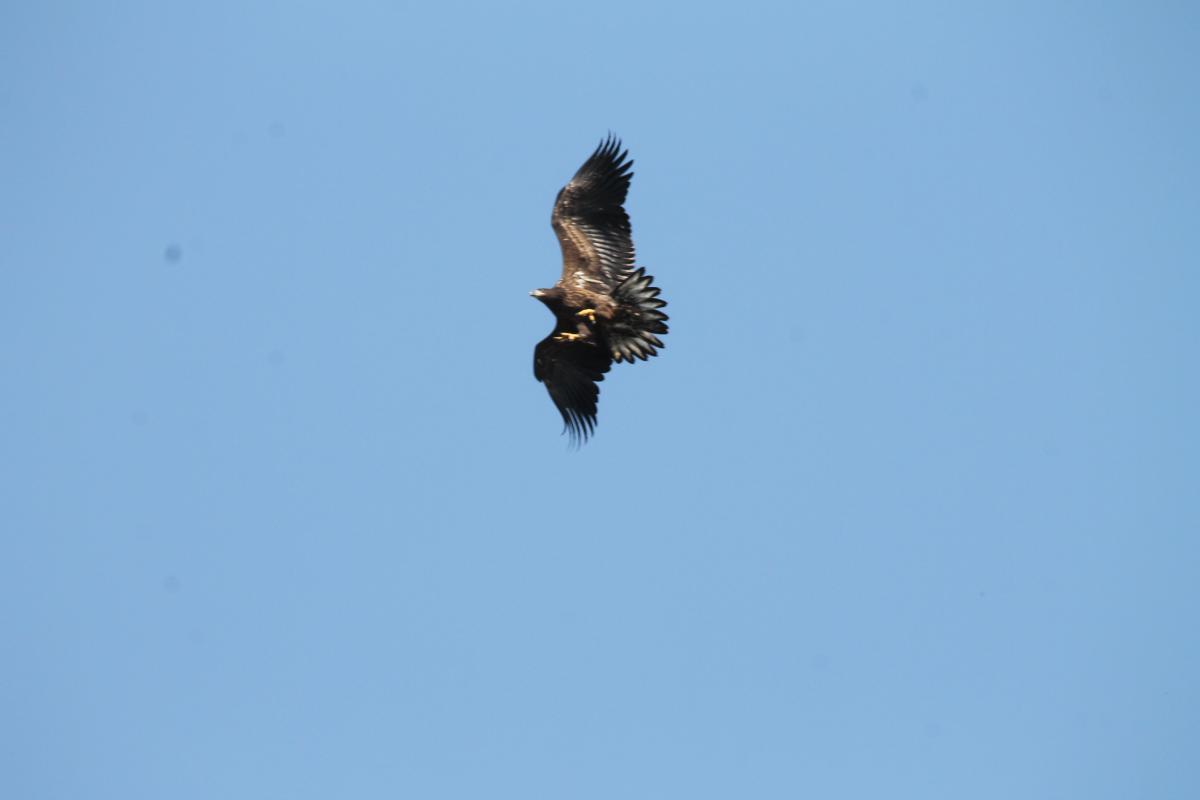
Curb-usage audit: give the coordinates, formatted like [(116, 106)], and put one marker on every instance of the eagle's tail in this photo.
[(631, 332)]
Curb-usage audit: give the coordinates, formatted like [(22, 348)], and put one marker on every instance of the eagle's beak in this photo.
[(536, 293)]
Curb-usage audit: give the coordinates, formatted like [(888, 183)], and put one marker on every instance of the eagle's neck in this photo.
[(556, 300)]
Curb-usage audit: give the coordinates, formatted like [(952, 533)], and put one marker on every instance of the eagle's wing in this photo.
[(571, 371), (590, 222)]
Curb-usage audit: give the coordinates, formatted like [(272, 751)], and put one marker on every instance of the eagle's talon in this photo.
[(568, 337), (590, 313)]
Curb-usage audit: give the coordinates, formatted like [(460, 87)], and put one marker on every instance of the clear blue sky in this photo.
[(907, 508)]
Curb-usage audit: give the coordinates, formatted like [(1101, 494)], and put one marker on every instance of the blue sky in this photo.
[(907, 508)]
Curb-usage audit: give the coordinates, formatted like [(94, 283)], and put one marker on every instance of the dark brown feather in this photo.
[(590, 221), (570, 370)]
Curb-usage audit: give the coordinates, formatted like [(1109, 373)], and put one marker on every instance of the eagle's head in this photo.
[(551, 297)]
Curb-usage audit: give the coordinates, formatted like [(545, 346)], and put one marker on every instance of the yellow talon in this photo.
[(590, 313), (569, 337)]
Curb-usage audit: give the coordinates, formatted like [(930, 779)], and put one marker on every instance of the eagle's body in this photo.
[(604, 308)]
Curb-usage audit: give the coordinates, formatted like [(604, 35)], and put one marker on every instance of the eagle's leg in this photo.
[(568, 337), (590, 313)]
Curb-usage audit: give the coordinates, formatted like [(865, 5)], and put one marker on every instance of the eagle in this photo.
[(605, 308)]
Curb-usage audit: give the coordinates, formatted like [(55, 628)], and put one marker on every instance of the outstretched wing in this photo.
[(591, 223), (571, 371)]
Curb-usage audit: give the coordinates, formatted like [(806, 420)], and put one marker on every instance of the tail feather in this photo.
[(633, 328)]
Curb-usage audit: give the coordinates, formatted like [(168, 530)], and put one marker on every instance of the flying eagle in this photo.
[(604, 307)]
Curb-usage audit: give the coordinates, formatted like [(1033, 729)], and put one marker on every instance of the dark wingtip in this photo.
[(611, 149), (578, 427)]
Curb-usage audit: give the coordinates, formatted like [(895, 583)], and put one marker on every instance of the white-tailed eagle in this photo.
[(605, 309)]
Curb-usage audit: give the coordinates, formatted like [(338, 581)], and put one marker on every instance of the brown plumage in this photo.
[(604, 308)]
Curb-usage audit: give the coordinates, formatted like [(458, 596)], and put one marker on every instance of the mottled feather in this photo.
[(590, 220)]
